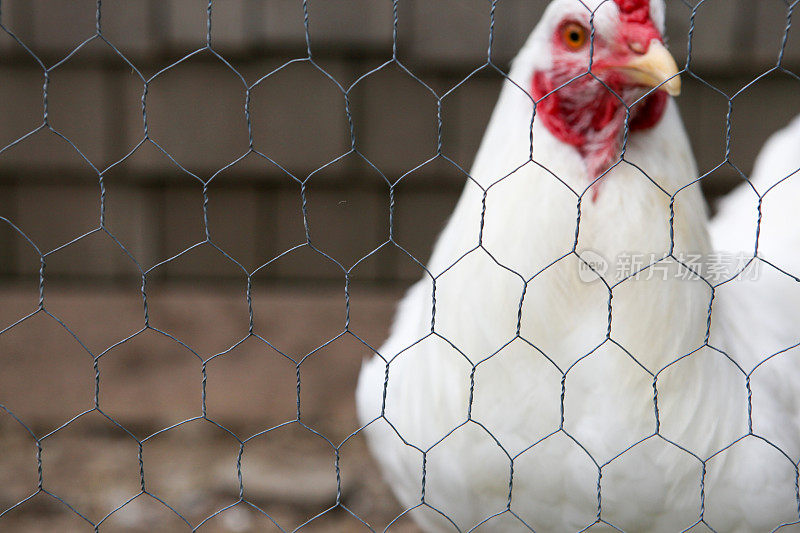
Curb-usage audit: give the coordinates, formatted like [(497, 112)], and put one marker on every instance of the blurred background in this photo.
[(71, 117)]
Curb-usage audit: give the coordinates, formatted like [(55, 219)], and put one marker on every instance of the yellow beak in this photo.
[(656, 68)]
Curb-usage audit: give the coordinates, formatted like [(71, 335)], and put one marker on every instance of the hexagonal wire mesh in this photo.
[(202, 417)]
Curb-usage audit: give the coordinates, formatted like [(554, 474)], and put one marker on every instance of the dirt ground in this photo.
[(147, 380)]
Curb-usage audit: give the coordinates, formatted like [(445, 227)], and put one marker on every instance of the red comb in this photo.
[(634, 10)]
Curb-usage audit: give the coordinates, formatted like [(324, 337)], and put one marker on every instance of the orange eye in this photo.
[(574, 35)]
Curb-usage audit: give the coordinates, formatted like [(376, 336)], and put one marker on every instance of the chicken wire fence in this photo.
[(45, 498)]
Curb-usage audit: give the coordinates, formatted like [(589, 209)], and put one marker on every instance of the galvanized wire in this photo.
[(146, 273)]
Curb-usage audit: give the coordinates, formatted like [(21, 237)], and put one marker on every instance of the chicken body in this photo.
[(755, 321), (520, 389)]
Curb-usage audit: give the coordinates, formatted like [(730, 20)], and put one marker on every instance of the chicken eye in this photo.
[(574, 35)]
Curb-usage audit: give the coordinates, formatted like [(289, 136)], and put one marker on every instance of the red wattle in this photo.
[(606, 109), (593, 125), (649, 111)]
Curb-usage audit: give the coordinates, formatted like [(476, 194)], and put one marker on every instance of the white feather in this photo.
[(755, 322)]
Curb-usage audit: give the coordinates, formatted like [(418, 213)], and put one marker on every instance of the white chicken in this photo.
[(550, 371)]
